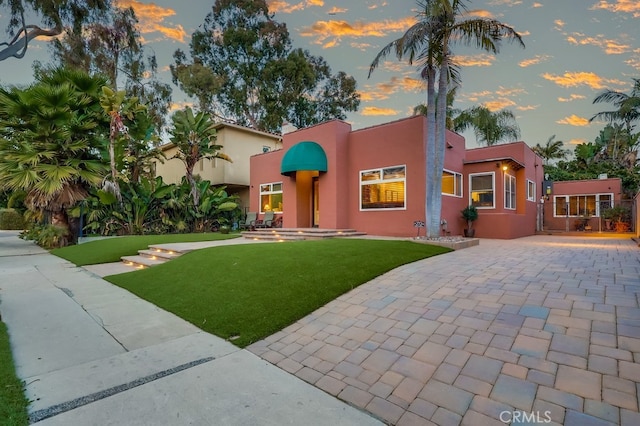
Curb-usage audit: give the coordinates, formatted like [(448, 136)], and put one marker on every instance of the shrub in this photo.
[(46, 236), (11, 219)]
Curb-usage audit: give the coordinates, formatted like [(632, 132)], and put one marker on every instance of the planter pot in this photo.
[(469, 233)]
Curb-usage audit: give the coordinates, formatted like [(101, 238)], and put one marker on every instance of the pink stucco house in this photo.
[(373, 180)]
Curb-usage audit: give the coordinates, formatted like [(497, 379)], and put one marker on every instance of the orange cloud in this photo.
[(577, 141), (480, 60), (151, 17), (330, 33), (610, 47), (534, 61), (571, 97), (559, 24), (619, 6), (479, 13), (281, 6), (527, 107), (574, 120), (379, 111), (384, 90), (575, 79), (498, 104), (335, 10), (536, 5)]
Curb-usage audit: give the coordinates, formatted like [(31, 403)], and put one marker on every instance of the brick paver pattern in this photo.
[(544, 325)]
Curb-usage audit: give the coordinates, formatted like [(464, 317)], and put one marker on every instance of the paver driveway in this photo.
[(543, 329)]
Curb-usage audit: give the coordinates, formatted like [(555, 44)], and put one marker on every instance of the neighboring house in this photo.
[(373, 180), (579, 204), (239, 143)]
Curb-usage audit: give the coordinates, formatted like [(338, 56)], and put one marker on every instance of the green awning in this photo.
[(304, 156)]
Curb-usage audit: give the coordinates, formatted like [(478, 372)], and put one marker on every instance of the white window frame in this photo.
[(567, 198), (270, 192), (382, 180), (531, 190), (457, 177), (510, 192), (493, 188)]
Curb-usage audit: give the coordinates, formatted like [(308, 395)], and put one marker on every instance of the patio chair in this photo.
[(267, 221), (249, 222)]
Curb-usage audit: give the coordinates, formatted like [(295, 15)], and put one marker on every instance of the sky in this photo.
[(574, 50)]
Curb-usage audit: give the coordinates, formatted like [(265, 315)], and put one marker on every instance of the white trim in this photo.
[(493, 188), (455, 183), (530, 196), (270, 192), (567, 198), (361, 183), (512, 187)]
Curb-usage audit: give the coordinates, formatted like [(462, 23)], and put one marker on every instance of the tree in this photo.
[(428, 43), (451, 111), (57, 17), (552, 150), (194, 136), (244, 69), (489, 127), (113, 46), (50, 137), (628, 106)]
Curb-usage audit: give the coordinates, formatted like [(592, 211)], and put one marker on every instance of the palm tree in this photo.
[(489, 127), (50, 141), (628, 106), (452, 112), (552, 150), (440, 23), (194, 136)]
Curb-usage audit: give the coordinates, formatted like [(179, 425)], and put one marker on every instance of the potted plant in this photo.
[(470, 215)]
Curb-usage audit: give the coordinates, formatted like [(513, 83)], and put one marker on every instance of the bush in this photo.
[(11, 219), (46, 236)]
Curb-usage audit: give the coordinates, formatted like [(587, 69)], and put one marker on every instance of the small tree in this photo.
[(194, 136)]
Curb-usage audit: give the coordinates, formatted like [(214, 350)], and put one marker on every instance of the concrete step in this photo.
[(142, 261), (159, 254)]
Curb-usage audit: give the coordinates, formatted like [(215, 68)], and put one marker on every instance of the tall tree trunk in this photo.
[(430, 152)]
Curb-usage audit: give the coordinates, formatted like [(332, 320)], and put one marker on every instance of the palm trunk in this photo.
[(430, 153)]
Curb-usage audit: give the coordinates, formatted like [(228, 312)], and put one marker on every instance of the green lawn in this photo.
[(248, 292), (13, 404), (111, 249)]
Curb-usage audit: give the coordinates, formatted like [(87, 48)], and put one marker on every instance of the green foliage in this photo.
[(253, 290), (469, 214), (13, 403), (489, 127), (47, 236), (11, 219), (249, 73)]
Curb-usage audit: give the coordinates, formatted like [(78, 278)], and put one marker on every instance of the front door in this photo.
[(316, 203)]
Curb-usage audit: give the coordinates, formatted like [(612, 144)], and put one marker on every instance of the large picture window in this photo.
[(481, 190), (582, 205), (509, 192), (451, 183), (383, 188), (271, 197)]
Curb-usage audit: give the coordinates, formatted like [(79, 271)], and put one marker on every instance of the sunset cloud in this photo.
[(619, 6), (574, 120), (281, 6), (498, 104), (538, 59), (330, 33), (577, 141), (369, 111), (527, 107), (335, 10), (481, 60), (575, 79), (536, 5), (151, 17), (572, 97), (609, 46)]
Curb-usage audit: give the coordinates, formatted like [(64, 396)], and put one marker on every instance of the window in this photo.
[(582, 205), (383, 188), (509, 192), (481, 190), (451, 183), (531, 190), (271, 197)]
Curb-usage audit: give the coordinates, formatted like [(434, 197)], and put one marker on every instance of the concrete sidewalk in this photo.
[(91, 353)]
